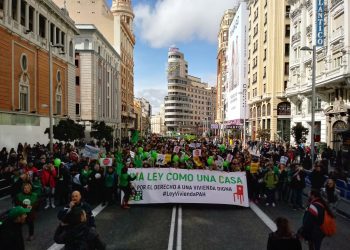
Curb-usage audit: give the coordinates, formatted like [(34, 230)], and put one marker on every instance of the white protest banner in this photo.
[(105, 162), (171, 185), (177, 149), (284, 160), (160, 159), (132, 154), (197, 153), (229, 157), (91, 152)]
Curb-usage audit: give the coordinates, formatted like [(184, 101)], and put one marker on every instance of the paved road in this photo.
[(189, 226)]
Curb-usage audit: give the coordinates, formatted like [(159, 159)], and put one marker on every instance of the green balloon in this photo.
[(210, 161), (57, 162), (222, 148), (176, 158), (247, 168), (186, 158), (145, 155), (140, 150), (154, 155), (226, 163)]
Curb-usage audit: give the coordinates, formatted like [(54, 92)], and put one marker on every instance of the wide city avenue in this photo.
[(174, 124)]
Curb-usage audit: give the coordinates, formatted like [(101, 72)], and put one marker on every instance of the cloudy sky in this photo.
[(191, 25)]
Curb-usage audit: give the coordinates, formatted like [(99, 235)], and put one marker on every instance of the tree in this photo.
[(299, 132), (101, 131), (67, 130), (263, 134)]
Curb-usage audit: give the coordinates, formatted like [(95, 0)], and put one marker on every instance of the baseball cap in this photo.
[(18, 211)]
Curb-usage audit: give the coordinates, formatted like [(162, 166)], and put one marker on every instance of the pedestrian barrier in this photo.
[(5, 186)]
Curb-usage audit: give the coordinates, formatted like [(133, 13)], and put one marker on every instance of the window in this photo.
[(263, 110), (265, 20), (265, 54), (268, 110), (337, 61), (42, 26), (287, 10), (24, 97), (77, 109), (286, 68), (52, 33), (286, 49), (14, 10), (318, 106), (31, 18), (264, 88), (59, 100), (77, 63), (24, 84), (283, 108), (285, 85), (264, 76), (265, 36), (77, 80), (287, 30), (23, 13)]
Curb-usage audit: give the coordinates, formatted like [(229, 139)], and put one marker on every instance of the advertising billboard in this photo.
[(236, 86)]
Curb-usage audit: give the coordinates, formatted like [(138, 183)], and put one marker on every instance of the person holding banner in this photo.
[(125, 180)]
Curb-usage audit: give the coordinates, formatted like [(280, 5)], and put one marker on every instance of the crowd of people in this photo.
[(42, 180)]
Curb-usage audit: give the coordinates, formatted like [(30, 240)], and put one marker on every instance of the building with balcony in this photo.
[(190, 103), (268, 68), (97, 80), (332, 70), (221, 63), (29, 30), (116, 25)]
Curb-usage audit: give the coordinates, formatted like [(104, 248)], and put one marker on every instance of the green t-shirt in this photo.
[(27, 199)]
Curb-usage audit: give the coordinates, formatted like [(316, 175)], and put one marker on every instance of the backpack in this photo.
[(328, 227)]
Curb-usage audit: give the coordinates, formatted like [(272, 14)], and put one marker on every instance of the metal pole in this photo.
[(313, 105), (50, 98)]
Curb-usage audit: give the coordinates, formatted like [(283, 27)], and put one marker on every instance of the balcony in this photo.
[(335, 3), (295, 13), (296, 38), (337, 34), (308, 4)]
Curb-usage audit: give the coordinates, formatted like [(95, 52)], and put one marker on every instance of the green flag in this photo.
[(135, 137)]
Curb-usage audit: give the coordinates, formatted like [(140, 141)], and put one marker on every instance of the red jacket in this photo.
[(48, 178)]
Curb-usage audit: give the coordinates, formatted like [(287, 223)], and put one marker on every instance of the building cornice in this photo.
[(62, 14)]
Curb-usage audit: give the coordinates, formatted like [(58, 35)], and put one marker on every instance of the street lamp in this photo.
[(313, 49), (50, 92)]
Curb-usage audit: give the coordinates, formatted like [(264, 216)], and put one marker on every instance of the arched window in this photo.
[(263, 110), (254, 112), (283, 108), (268, 109), (259, 111), (58, 94), (59, 100), (71, 49), (24, 90)]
